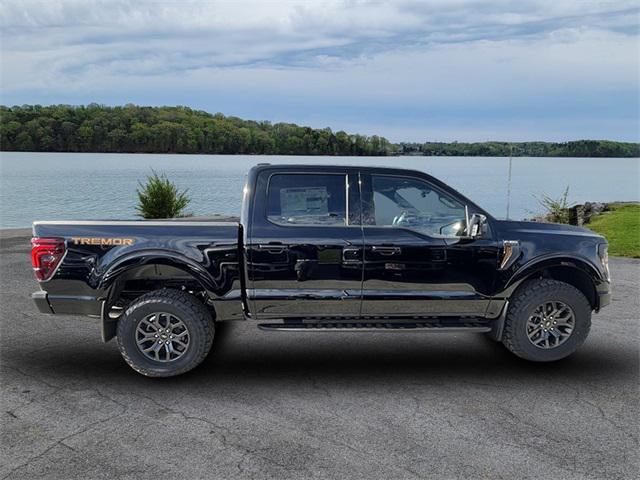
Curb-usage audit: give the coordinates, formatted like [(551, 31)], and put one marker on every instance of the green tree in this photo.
[(160, 198)]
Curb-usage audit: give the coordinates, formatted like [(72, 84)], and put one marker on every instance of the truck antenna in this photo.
[(509, 181)]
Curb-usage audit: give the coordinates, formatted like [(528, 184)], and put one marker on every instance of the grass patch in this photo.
[(621, 227)]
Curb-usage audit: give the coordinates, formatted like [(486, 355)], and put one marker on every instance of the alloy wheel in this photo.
[(162, 337), (550, 325)]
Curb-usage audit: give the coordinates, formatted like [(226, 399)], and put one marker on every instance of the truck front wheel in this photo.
[(165, 333), (547, 320)]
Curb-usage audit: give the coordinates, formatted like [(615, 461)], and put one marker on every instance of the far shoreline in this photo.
[(264, 155), (179, 129)]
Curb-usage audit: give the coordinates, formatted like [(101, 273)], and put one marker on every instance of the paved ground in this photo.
[(333, 405)]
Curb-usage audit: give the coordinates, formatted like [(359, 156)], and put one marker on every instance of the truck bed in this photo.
[(98, 252)]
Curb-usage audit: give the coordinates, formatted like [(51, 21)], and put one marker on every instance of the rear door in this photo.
[(305, 245), (415, 263)]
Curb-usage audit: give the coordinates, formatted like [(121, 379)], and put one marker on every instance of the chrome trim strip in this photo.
[(79, 298), (511, 249), (346, 199), (370, 317), (284, 328), (424, 294), (301, 293)]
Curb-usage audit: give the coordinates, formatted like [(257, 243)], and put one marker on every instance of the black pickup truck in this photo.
[(326, 249)]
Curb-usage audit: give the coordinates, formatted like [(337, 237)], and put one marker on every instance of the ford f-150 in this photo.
[(325, 249)]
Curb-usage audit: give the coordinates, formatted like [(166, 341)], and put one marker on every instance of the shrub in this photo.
[(160, 198), (557, 209)]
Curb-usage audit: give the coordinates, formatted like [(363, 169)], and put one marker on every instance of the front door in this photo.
[(305, 245), (415, 261)]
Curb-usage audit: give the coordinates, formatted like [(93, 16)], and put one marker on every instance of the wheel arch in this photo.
[(158, 270), (573, 271), (128, 265)]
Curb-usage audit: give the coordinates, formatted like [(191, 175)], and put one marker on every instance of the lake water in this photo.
[(83, 186)]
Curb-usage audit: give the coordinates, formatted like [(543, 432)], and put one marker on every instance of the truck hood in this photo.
[(546, 228)]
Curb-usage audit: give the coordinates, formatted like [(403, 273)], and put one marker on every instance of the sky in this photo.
[(440, 70)]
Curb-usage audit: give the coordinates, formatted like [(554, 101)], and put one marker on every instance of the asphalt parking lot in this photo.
[(315, 405)]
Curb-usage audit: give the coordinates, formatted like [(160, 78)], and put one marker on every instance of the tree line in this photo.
[(136, 129), (578, 148)]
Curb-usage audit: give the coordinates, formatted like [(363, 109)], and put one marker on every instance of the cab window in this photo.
[(412, 203), (307, 199)]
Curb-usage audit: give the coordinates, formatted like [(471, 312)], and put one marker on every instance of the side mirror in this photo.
[(475, 224)]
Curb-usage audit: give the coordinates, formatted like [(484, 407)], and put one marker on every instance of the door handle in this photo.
[(386, 250), (272, 248), (352, 254)]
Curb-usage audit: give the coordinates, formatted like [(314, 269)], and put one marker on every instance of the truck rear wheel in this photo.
[(165, 333), (547, 320)]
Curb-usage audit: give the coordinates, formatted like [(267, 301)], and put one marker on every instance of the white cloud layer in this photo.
[(408, 69)]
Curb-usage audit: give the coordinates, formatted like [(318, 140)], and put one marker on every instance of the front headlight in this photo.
[(603, 254)]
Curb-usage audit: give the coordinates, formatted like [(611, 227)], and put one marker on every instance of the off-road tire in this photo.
[(187, 308), (522, 305)]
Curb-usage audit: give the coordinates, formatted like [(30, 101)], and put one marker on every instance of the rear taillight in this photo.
[(46, 254)]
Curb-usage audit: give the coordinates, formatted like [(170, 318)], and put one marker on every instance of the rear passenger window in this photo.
[(307, 199)]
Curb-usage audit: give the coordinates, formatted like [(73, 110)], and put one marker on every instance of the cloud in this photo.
[(451, 67)]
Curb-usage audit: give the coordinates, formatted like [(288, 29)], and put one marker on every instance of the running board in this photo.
[(470, 326)]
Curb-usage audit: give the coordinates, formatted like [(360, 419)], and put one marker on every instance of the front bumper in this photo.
[(604, 299), (604, 294)]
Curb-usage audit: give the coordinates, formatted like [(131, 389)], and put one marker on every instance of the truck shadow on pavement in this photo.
[(239, 360)]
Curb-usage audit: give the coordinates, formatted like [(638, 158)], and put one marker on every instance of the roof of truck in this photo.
[(319, 167)]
